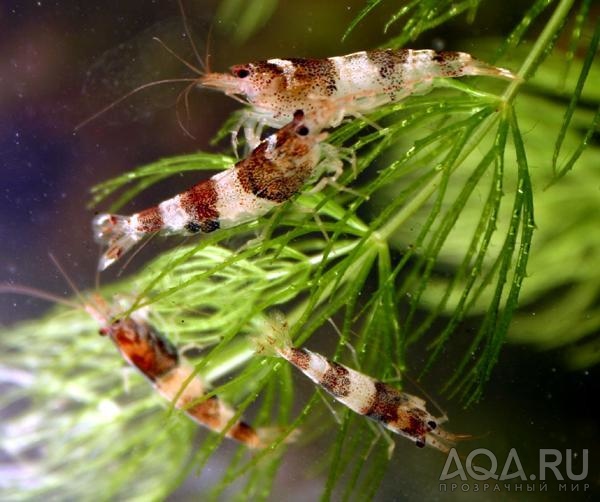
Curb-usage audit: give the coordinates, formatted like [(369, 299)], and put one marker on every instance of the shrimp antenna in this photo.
[(71, 284), (427, 395), (208, 44), (97, 276), (135, 253), (195, 69), (37, 293), (185, 92), (94, 308), (186, 27), (128, 95), (44, 295)]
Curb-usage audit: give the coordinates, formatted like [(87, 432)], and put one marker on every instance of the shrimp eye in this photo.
[(432, 425), (303, 131), (241, 72), (420, 443)]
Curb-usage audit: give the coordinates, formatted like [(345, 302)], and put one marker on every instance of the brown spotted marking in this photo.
[(245, 434), (147, 350), (337, 380), (272, 180), (199, 201), (384, 403), (207, 412), (299, 358), (387, 61), (150, 220), (391, 407), (317, 74), (213, 414)]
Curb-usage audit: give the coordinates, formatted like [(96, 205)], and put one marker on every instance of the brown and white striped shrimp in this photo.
[(336, 87), (157, 359), (397, 411), (275, 171)]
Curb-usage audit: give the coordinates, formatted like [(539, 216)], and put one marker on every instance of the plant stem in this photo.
[(420, 198), (541, 46), (239, 355)]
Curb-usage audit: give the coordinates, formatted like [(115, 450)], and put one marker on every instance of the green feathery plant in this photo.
[(438, 228)]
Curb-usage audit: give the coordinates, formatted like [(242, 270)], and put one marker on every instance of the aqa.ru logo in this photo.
[(549, 459)]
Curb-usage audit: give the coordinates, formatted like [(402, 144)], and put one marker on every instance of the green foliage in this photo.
[(562, 260), (438, 228), (418, 16), (242, 18)]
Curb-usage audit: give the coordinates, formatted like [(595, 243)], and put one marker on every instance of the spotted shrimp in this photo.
[(275, 171), (329, 88), (159, 361), (397, 411), (337, 87)]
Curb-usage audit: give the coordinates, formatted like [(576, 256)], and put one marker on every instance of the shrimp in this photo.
[(157, 359), (329, 89), (275, 171), (397, 411), (347, 85)]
